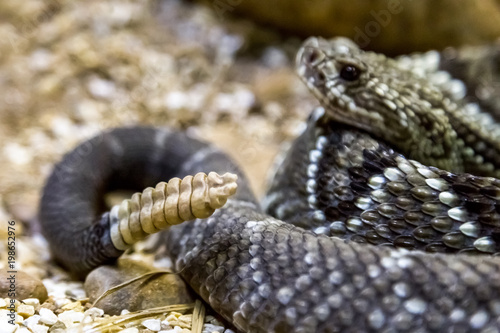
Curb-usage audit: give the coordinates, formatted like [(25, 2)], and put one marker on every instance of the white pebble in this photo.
[(176, 100), (3, 303), (70, 317), (39, 328), (26, 310), (23, 330), (209, 328), (94, 312), (47, 316), (31, 301), (17, 154), (152, 324), (31, 321), (60, 302), (100, 88), (5, 327), (165, 325)]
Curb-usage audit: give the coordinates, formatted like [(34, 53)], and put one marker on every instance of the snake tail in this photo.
[(83, 235)]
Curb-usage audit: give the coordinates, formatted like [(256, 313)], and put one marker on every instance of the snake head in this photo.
[(379, 95)]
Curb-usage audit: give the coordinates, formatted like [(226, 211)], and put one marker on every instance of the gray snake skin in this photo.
[(343, 188)]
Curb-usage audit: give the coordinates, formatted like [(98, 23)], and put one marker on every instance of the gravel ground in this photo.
[(69, 69)]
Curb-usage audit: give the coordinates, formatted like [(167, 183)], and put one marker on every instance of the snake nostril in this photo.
[(320, 76), (312, 56)]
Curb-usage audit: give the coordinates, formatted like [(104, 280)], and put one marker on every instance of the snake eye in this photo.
[(350, 73)]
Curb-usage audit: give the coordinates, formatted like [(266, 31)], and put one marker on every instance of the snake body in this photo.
[(343, 188)]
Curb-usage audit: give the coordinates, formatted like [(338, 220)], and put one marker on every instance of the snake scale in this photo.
[(344, 187)]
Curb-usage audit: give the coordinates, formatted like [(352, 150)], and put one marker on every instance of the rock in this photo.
[(39, 328), (31, 321), (26, 310), (94, 312), (26, 286), (149, 292), (47, 316), (23, 330), (32, 301), (70, 317), (58, 327), (8, 328), (209, 328), (152, 324)]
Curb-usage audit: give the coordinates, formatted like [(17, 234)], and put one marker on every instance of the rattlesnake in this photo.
[(338, 180)]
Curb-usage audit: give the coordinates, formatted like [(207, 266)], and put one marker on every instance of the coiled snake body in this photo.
[(342, 190)]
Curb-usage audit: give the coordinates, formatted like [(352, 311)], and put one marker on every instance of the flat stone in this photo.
[(26, 286), (151, 291)]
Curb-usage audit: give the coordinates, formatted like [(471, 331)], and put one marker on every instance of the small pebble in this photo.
[(39, 328), (26, 310), (209, 328), (70, 317), (60, 327), (23, 330), (31, 321), (152, 324), (47, 316), (31, 301), (95, 312), (165, 325), (8, 328), (60, 302), (77, 306)]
